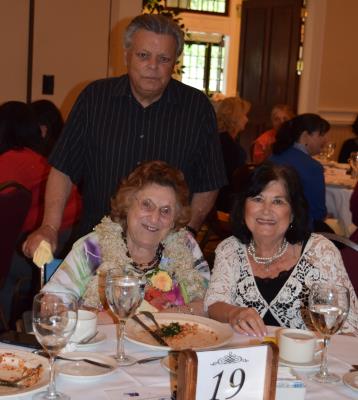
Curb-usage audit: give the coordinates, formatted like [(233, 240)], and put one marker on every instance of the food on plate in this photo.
[(185, 335), (14, 369)]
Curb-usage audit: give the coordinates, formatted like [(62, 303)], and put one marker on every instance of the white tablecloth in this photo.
[(343, 352), (339, 189)]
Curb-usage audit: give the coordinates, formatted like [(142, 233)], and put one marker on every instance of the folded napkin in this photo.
[(43, 254)]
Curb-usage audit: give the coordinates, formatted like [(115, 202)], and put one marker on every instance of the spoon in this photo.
[(88, 339), (149, 315)]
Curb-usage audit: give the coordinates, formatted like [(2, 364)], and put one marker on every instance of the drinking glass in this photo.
[(353, 162), (328, 307), (124, 294), (54, 318), (329, 150)]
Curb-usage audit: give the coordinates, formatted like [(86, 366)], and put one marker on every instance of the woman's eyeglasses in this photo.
[(148, 206)]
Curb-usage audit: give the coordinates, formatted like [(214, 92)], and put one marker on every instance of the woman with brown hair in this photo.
[(146, 233)]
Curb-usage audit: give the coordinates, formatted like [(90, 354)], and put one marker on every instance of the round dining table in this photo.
[(342, 353)]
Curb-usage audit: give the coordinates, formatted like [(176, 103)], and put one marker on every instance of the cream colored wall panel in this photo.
[(339, 76), (70, 42), (123, 11), (14, 18)]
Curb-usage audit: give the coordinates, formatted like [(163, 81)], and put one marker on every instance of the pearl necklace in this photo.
[(267, 261)]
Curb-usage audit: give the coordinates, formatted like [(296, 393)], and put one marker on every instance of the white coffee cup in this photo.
[(86, 326), (297, 345)]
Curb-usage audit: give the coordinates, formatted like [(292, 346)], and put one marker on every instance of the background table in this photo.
[(339, 189), (342, 353)]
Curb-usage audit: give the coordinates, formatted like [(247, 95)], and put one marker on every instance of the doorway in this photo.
[(269, 49)]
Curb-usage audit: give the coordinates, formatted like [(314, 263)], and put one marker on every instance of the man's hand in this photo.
[(45, 232)]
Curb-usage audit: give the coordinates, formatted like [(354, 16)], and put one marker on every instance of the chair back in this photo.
[(15, 202), (349, 254)]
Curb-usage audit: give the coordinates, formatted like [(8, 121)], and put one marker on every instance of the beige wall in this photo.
[(79, 41), (14, 16)]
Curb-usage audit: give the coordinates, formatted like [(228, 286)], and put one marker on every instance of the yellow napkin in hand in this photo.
[(43, 254)]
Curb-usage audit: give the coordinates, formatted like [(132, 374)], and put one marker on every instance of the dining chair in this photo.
[(15, 202), (349, 253)]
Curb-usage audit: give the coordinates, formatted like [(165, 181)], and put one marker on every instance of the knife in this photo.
[(154, 334)]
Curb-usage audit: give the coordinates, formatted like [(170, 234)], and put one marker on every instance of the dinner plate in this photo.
[(211, 333), (81, 370), (31, 361), (350, 379), (315, 363), (99, 338)]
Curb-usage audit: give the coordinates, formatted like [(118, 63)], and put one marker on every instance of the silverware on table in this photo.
[(149, 359), (88, 339), (87, 360), (150, 315), (154, 334)]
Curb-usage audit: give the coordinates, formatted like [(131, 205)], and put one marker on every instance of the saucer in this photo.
[(315, 363), (99, 338), (351, 380), (81, 370)]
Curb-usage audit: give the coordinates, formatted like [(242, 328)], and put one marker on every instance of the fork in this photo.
[(149, 315)]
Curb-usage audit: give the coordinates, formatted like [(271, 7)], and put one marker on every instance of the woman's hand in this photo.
[(247, 321)]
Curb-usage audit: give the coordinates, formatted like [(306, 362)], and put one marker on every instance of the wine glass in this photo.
[(54, 318), (328, 307), (329, 150), (353, 163), (124, 294)]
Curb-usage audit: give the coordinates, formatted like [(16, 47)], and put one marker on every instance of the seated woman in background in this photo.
[(263, 274), (20, 139), (350, 145), (50, 120), (296, 142), (232, 119), (263, 144), (145, 232)]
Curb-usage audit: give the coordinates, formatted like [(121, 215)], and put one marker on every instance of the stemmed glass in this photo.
[(54, 318), (328, 307), (329, 150), (353, 162), (124, 293)]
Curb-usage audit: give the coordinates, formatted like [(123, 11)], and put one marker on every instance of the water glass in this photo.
[(54, 319), (124, 294)]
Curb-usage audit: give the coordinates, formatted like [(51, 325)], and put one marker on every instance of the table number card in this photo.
[(237, 373)]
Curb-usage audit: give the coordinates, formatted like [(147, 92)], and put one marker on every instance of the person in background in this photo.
[(51, 123), (117, 123), (296, 142), (232, 119), (263, 144), (263, 273), (350, 145), (20, 140), (146, 234)]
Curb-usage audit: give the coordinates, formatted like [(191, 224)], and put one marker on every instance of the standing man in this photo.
[(117, 123)]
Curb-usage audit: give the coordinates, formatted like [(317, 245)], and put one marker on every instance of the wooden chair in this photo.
[(15, 202), (349, 252)]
